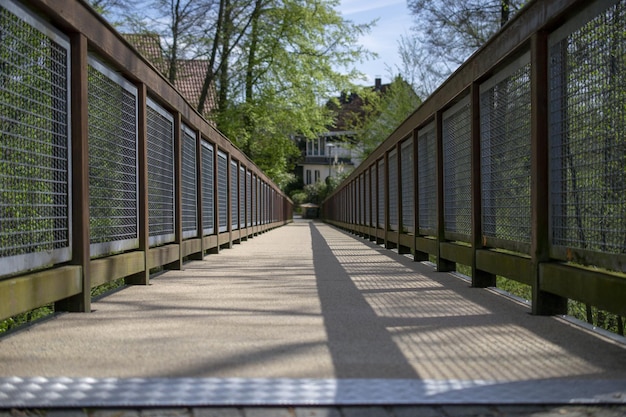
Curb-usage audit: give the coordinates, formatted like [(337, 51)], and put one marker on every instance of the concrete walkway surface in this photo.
[(309, 302)]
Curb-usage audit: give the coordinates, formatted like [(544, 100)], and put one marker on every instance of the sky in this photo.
[(394, 20)]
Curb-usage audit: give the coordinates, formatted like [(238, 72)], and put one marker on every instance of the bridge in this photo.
[(515, 167)]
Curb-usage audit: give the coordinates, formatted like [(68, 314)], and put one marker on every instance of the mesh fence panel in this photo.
[(368, 197), (408, 180), (255, 201), (457, 197), (362, 200), (189, 184), (113, 187), (234, 197), (249, 199), (242, 196), (393, 190), (222, 191), (427, 179), (587, 138), (505, 157), (34, 133), (208, 189), (161, 208), (381, 194)]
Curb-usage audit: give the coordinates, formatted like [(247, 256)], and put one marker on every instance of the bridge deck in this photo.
[(307, 314)]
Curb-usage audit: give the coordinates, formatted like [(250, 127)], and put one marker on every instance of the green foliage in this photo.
[(286, 66), (25, 318), (316, 193), (384, 113), (32, 166)]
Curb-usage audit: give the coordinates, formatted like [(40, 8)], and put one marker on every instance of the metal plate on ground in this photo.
[(164, 392)]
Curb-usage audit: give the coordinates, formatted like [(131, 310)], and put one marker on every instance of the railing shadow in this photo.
[(432, 326)]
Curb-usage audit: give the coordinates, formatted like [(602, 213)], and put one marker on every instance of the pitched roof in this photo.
[(148, 45), (190, 73), (190, 77)]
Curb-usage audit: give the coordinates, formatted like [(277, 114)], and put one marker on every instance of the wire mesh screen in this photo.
[(161, 208), (34, 168), (505, 155), (242, 196), (427, 179), (587, 137), (368, 197), (255, 200), (263, 201), (208, 189), (113, 186), (234, 197), (457, 197), (381, 195), (351, 201), (222, 191), (408, 181), (393, 190), (189, 185), (249, 199), (362, 200)]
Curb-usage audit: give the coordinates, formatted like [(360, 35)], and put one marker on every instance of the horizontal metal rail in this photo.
[(106, 171), (516, 165)]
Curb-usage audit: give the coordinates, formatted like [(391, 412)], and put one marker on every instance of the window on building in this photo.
[(317, 175), (308, 177)]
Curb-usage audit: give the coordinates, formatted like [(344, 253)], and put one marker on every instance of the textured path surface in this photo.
[(308, 302)]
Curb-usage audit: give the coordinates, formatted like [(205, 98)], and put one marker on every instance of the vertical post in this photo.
[(418, 256), (379, 187), (543, 303), (386, 199), (178, 194), (80, 175), (399, 195), (142, 278), (229, 201), (372, 204), (443, 265), (480, 279), (198, 256), (216, 202)]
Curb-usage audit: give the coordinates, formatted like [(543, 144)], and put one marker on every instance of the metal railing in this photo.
[(516, 165), (106, 172)]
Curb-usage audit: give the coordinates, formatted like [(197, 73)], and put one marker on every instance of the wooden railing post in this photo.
[(198, 256), (142, 278), (216, 202), (80, 174), (543, 303), (480, 279), (418, 256), (443, 265), (178, 192), (229, 200)]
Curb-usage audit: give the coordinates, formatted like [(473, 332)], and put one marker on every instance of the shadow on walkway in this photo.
[(358, 340)]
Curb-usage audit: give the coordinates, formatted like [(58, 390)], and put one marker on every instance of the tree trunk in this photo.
[(210, 74), (173, 58), (505, 11)]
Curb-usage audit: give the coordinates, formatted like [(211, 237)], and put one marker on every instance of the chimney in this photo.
[(377, 83)]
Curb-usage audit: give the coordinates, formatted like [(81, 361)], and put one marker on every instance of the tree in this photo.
[(447, 32), (271, 62), (383, 112), (284, 66)]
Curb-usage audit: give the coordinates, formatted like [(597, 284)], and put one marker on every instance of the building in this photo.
[(336, 151), (190, 73)]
